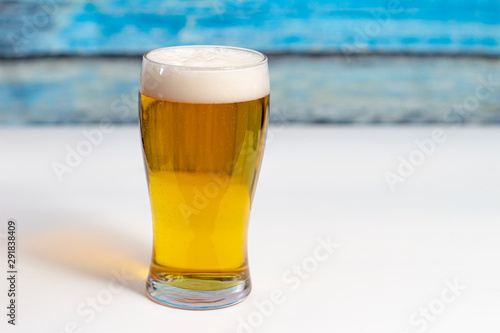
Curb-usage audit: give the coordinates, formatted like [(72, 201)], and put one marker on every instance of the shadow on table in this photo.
[(97, 251)]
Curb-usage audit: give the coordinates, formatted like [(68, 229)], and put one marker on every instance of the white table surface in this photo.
[(398, 251)]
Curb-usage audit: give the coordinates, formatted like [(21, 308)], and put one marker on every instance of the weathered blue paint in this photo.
[(364, 90), (337, 89), (54, 27)]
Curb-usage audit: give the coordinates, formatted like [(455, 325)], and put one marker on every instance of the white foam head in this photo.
[(204, 74)]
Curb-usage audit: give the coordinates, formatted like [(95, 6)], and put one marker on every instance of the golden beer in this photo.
[(202, 161)]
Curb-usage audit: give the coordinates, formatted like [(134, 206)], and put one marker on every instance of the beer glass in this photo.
[(203, 118)]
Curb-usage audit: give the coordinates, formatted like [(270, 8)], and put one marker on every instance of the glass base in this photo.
[(206, 292)]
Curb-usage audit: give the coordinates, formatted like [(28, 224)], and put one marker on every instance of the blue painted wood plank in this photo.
[(366, 90), (40, 27)]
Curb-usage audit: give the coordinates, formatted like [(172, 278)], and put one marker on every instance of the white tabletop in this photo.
[(424, 257)]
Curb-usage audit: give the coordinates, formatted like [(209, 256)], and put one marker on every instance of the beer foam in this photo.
[(204, 74)]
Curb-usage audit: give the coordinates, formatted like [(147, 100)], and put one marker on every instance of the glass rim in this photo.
[(198, 68)]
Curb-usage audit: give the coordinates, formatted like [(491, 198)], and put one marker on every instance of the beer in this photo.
[(203, 116)]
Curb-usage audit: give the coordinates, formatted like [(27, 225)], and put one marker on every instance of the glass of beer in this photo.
[(203, 116)]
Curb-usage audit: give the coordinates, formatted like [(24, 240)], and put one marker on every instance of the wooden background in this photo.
[(366, 61)]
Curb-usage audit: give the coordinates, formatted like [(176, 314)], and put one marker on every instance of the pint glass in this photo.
[(203, 116)]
